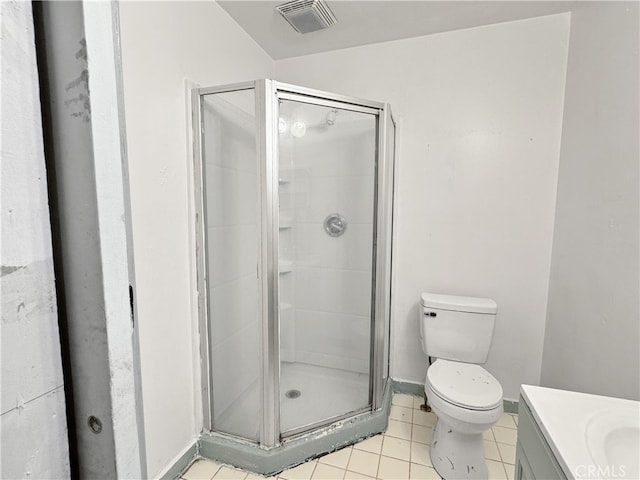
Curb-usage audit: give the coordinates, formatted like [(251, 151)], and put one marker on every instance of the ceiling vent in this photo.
[(307, 15)]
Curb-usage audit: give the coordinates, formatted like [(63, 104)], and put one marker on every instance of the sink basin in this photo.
[(591, 436), (613, 439)]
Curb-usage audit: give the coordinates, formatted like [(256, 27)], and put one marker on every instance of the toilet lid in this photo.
[(464, 384)]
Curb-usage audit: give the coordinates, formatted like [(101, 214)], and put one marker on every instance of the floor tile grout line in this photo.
[(379, 458), (348, 460), (411, 443)]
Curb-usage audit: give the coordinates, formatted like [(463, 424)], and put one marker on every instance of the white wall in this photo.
[(480, 113), (33, 427), (164, 43), (593, 326)]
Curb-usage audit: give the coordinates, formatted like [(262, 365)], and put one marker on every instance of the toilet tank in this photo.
[(457, 328)]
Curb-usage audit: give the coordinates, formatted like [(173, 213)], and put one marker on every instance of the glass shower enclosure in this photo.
[(294, 196)]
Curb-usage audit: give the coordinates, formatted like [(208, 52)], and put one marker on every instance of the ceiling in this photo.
[(361, 22)]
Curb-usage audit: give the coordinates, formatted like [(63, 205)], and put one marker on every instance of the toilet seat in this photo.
[(464, 384)]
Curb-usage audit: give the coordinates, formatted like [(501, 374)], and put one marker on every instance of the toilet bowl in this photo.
[(466, 407), (466, 398)]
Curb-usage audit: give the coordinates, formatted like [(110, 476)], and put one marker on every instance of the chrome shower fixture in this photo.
[(307, 15)]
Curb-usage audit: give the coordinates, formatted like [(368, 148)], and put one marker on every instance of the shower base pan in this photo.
[(310, 394), (294, 451)]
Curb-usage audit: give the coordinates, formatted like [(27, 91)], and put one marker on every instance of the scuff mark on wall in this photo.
[(80, 104), (7, 269)]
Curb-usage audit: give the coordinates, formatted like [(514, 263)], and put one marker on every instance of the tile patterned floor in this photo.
[(401, 453)]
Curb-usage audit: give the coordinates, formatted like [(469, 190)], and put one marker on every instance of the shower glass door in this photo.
[(327, 158), (230, 205)]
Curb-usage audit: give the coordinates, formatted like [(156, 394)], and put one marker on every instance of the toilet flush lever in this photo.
[(430, 314)]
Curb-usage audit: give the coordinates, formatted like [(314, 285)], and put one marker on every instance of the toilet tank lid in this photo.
[(459, 304)]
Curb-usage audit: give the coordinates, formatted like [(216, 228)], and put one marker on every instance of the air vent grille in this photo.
[(307, 15)]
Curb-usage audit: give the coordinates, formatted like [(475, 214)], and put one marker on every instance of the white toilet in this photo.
[(456, 332)]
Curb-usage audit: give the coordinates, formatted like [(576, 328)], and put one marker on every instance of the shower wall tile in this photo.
[(315, 289), (315, 332), (231, 197), (238, 151), (355, 198), (323, 159), (332, 290), (351, 196), (343, 155), (353, 292), (233, 251), (286, 290), (354, 249), (232, 306), (287, 335), (241, 344), (231, 139), (317, 200), (351, 251), (359, 162), (333, 340), (340, 362), (286, 245), (285, 155), (314, 247)]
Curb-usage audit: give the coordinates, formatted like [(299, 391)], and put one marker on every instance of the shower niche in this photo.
[(294, 197)]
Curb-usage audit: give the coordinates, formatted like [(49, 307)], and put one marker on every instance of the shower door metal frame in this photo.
[(267, 94), (270, 216), (309, 96), (384, 239), (200, 240), (383, 204)]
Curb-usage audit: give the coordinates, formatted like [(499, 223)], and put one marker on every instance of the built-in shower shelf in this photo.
[(285, 222), (284, 175), (285, 267)]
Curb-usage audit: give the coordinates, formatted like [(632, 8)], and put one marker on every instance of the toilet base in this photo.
[(456, 455)]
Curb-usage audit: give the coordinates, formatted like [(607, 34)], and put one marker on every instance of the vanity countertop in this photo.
[(591, 436)]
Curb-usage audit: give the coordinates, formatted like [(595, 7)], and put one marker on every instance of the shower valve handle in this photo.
[(335, 225)]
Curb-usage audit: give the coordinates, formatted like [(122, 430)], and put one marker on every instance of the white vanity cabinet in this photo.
[(534, 458)]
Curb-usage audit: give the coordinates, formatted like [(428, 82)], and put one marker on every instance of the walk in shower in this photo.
[(294, 190)]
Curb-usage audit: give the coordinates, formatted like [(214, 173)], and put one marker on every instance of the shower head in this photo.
[(331, 116)]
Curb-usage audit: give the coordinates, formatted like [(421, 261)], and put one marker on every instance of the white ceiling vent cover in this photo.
[(307, 15)]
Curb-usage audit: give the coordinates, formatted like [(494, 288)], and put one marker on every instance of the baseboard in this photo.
[(409, 388), (510, 406), (397, 386), (181, 464), (417, 389)]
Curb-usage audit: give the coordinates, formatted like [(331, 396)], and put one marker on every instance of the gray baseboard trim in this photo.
[(417, 389), (510, 406), (399, 386), (185, 460), (250, 457)]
